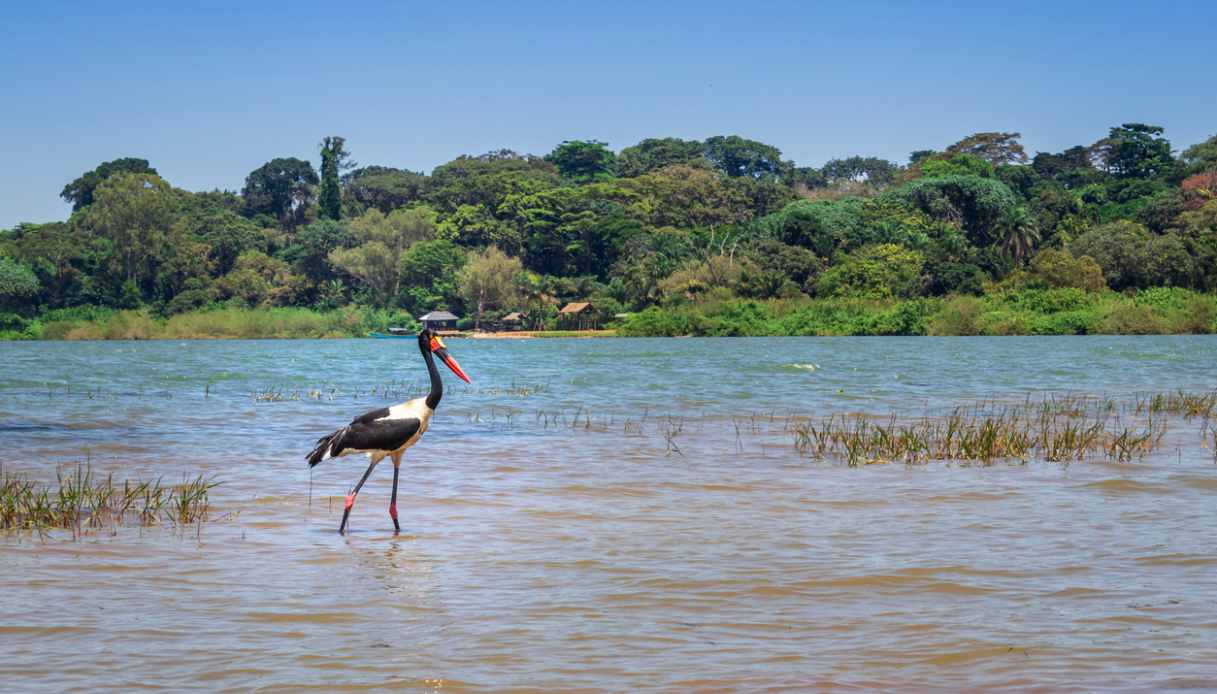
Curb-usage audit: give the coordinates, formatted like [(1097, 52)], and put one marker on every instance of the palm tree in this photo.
[(1019, 233)]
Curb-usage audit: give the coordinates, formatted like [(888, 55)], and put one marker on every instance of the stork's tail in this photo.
[(325, 447)]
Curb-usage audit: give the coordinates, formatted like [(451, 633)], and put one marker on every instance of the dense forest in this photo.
[(721, 236)]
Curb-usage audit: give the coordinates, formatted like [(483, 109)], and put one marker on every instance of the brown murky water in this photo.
[(559, 533)]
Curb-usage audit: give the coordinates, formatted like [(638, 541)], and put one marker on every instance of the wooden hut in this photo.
[(579, 315), (512, 321), (438, 320)]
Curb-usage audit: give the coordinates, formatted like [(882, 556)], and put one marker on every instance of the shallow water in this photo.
[(606, 515)]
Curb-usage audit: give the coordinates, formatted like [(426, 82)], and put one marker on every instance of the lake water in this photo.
[(607, 515)]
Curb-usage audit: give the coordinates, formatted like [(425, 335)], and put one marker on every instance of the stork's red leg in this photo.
[(393, 500), (350, 500)]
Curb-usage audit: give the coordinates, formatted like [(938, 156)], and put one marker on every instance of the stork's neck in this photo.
[(437, 385)]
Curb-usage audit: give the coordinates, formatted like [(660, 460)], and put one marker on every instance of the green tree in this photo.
[(824, 227), (430, 273), (583, 160), (475, 226), (282, 189), (960, 164), (1057, 267), (226, 233), (488, 179), (997, 148), (696, 278), (65, 261), (1072, 168), (334, 158), (310, 250), (1132, 258), (1198, 231), (382, 241), (799, 264), (871, 170), (1201, 156), (687, 197), (80, 191), (881, 271), (974, 204), (656, 153), (738, 156), (488, 281), (134, 212), (19, 286), (383, 188), (1018, 232), (257, 279), (571, 230), (1136, 150), (646, 259)]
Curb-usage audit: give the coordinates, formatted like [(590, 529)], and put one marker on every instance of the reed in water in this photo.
[(1057, 429), (80, 502)]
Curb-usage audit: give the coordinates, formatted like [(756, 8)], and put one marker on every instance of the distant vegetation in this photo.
[(714, 237)]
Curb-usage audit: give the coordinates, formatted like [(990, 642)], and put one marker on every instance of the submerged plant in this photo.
[(1057, 429), (79, 502)]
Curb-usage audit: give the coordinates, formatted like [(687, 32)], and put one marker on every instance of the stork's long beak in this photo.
[(438, 348)]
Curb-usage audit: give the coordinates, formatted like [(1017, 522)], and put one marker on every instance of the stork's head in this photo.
[(431, 342)]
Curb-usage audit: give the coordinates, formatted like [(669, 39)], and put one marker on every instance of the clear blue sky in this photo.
[(209, 94)]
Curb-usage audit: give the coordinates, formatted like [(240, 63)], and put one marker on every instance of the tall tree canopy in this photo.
[(134, 212), (668, 220), (488, 280), (656, 153), (80, 191), (1136, 150), (383, 188), (1201, 156), (382, 242), (977, 205), (282, 189), (1072, 168), (996, 148), (869, 169), (487, 179), (583, 160), (18, 284), (738, 156), (334, 158)]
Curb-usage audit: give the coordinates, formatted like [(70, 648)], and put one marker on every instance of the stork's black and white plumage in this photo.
[(389, 431)]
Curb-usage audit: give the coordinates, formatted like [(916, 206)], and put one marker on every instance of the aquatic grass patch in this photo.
[(1187, 405), (81, 502), (1065, 429)]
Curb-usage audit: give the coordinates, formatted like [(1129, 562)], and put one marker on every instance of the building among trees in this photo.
[(438, 320), (578, 316), (512, 321)]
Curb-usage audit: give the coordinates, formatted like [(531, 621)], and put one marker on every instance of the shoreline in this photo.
[(539, 334), (1029, 311)]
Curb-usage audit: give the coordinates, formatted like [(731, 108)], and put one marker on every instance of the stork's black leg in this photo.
[(346, 512), (393, 500)]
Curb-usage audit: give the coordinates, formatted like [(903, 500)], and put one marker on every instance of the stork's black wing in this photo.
[(371, 431), (376, 435)]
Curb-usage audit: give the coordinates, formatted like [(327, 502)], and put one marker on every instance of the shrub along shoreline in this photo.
[(1059, 311), (94, 323), (1062, 311)]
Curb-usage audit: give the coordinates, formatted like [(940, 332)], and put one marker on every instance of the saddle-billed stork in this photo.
[(389, 431)]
